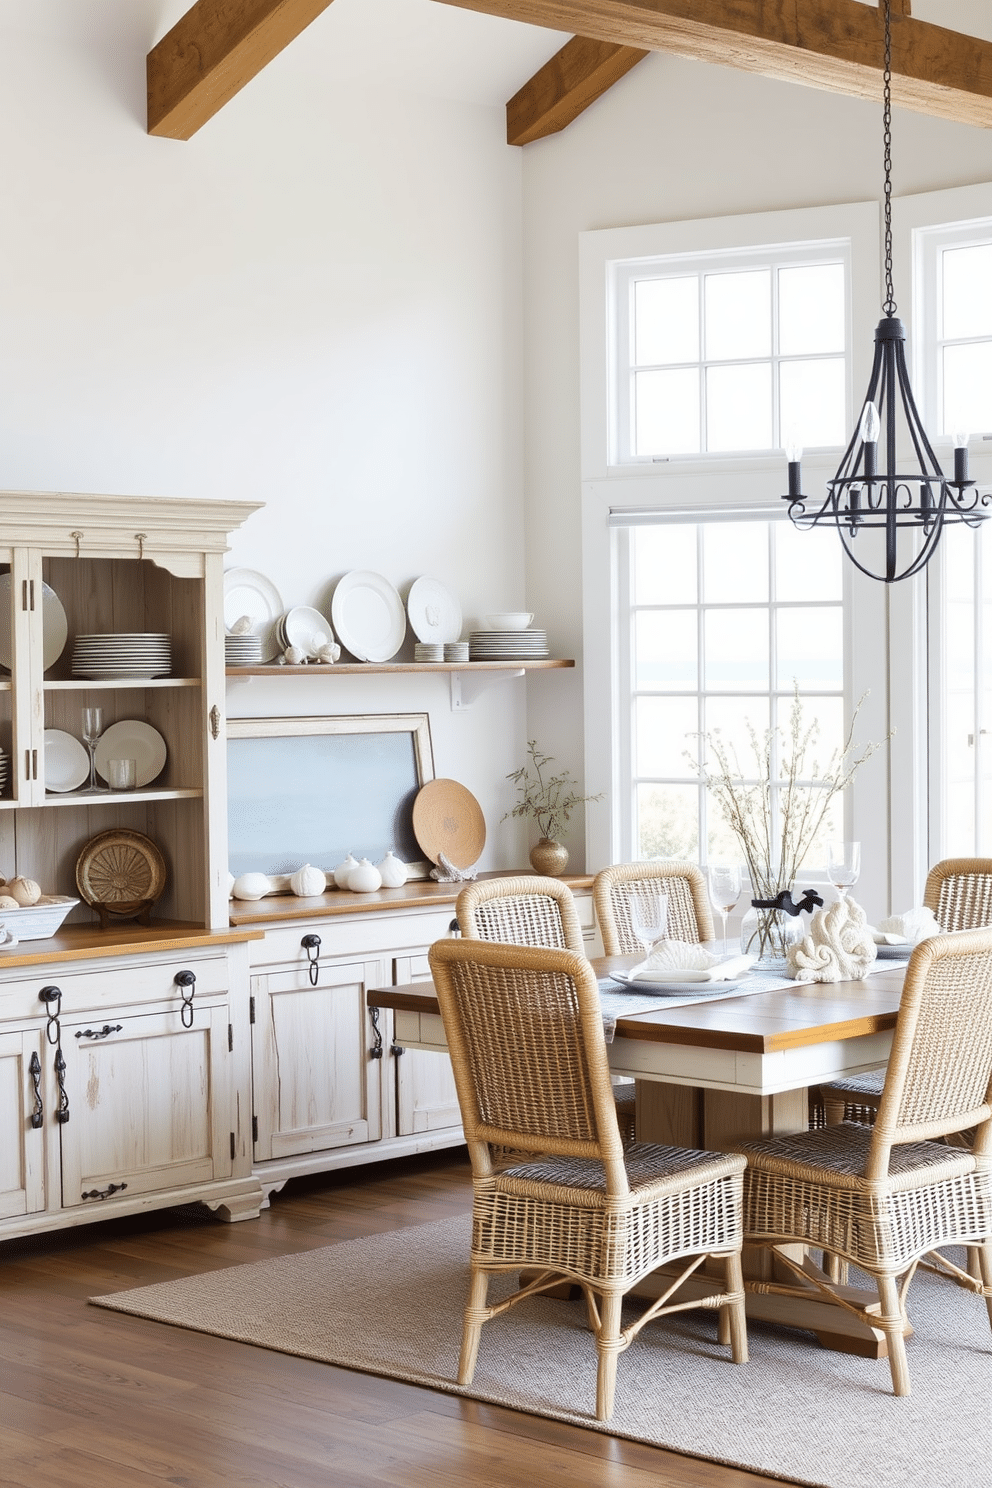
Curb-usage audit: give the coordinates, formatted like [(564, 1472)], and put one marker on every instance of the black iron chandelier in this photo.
[(868, 493)]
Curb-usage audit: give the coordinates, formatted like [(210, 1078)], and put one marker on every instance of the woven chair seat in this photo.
[(652, 1171), (838, 1154), (871, 1083)]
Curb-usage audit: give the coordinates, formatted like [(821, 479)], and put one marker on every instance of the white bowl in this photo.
[(510, 620), (37, 921)]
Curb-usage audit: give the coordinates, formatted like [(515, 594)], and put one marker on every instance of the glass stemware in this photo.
[(92, 729), (649, 916), (843, 865), (725, 890)]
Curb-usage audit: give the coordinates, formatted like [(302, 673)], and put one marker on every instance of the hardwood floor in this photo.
[(94, 1399)]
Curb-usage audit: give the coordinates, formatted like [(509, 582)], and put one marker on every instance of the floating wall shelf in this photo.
[(468, 679)]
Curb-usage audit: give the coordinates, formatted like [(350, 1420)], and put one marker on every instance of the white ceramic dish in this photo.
[(306, 628), (435, 614), (367, 614), (67, 763), (247, 592), (37, 921), (132, 738), (55, 627), (510, 619), (677, 989)]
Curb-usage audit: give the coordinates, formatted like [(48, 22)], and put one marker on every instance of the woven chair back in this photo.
[(939, 1077), (524, 1029), (959, 891), (521, 911), (689, 915)]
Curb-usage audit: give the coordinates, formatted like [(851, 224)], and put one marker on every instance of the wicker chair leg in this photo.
[(732, 1314), (892, 1322), (475, 1316), (985, 1268), (836, 1268), (608, 1348)]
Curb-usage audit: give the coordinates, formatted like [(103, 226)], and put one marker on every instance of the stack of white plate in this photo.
[(429, 651), (122, 654), (243, 650), (508, 645), (4, 771), (456, 651)]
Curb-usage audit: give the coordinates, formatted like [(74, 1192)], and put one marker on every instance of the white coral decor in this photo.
[(839, 947)]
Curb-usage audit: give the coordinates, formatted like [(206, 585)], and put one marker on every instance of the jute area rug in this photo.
[(392, 1305)]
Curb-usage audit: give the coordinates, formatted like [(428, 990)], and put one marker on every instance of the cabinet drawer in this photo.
[(113, 985), (362, 935)]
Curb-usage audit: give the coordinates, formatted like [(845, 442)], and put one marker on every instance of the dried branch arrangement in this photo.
[(549, 797)]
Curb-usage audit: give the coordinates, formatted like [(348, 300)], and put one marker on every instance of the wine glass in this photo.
[(649, 915), (92, 729), (843, 865), (725, 890)]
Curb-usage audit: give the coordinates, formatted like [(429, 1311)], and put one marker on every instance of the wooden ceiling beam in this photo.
[(212, 52), (564, 87), (831, 44)]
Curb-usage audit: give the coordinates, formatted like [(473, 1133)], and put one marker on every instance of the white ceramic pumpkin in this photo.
[(251, 886), (392, 871), (308, 881), (364, 879), (343, 870)]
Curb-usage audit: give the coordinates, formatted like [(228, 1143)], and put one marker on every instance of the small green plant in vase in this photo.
[(548, 797)]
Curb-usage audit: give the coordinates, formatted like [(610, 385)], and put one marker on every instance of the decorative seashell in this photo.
[(392, 871), (328, 654), (308, 881), (343, 870), (24, 891), (839, 947), (6, 902), (294, 655), (680, 955), (251, 886), (241, 626), (364, 879)]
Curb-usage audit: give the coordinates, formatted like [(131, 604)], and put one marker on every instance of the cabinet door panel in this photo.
[(149, 1104), (316, 1085), (426, 1098), (22, 1181)]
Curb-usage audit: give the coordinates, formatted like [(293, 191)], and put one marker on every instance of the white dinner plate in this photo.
[(677, 989), (306, 628), (249, 593), (368, 616), (54, 626), (435, 614), (132, 738), (67, 764)]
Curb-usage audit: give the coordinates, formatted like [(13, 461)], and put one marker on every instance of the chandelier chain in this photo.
[(890, 299)]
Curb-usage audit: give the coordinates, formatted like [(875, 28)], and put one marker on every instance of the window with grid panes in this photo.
[(726, 618)]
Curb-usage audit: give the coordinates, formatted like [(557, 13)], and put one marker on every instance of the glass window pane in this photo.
[(812, 402), (968, 388), (667, 822), (808, 565), (811, 310), (665, 729), (664, 564), (735, 562), (665, 650), (738, 314), (666, 412), (739, 407), (967, 291), (666, 321), (736, 644), (810, 646)]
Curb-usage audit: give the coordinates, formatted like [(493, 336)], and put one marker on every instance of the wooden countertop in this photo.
[(762, 1024), (419, 894), (89, 942)]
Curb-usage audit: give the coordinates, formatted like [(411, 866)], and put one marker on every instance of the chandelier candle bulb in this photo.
[(794, 455), (961, 459), (871, 427)]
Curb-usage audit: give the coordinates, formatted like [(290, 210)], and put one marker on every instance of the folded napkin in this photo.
[(906, 929), (681, 961)]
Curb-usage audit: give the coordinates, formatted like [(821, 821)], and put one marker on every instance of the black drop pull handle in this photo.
[(311, 944), (186, 982)]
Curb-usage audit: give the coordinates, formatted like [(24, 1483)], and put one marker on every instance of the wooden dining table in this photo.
[(712, 1072)]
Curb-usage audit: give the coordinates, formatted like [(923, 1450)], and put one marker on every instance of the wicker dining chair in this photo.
[(525, 1033), (883, 1196), (689, 915), (959, 891), (535, 912)]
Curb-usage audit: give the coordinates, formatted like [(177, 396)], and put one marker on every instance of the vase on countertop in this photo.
[(549, 858)]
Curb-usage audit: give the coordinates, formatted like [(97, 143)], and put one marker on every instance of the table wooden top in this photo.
[(765, 1023)]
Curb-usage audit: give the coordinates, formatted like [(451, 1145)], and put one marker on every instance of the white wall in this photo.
[(315, 303), (673, 140)]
